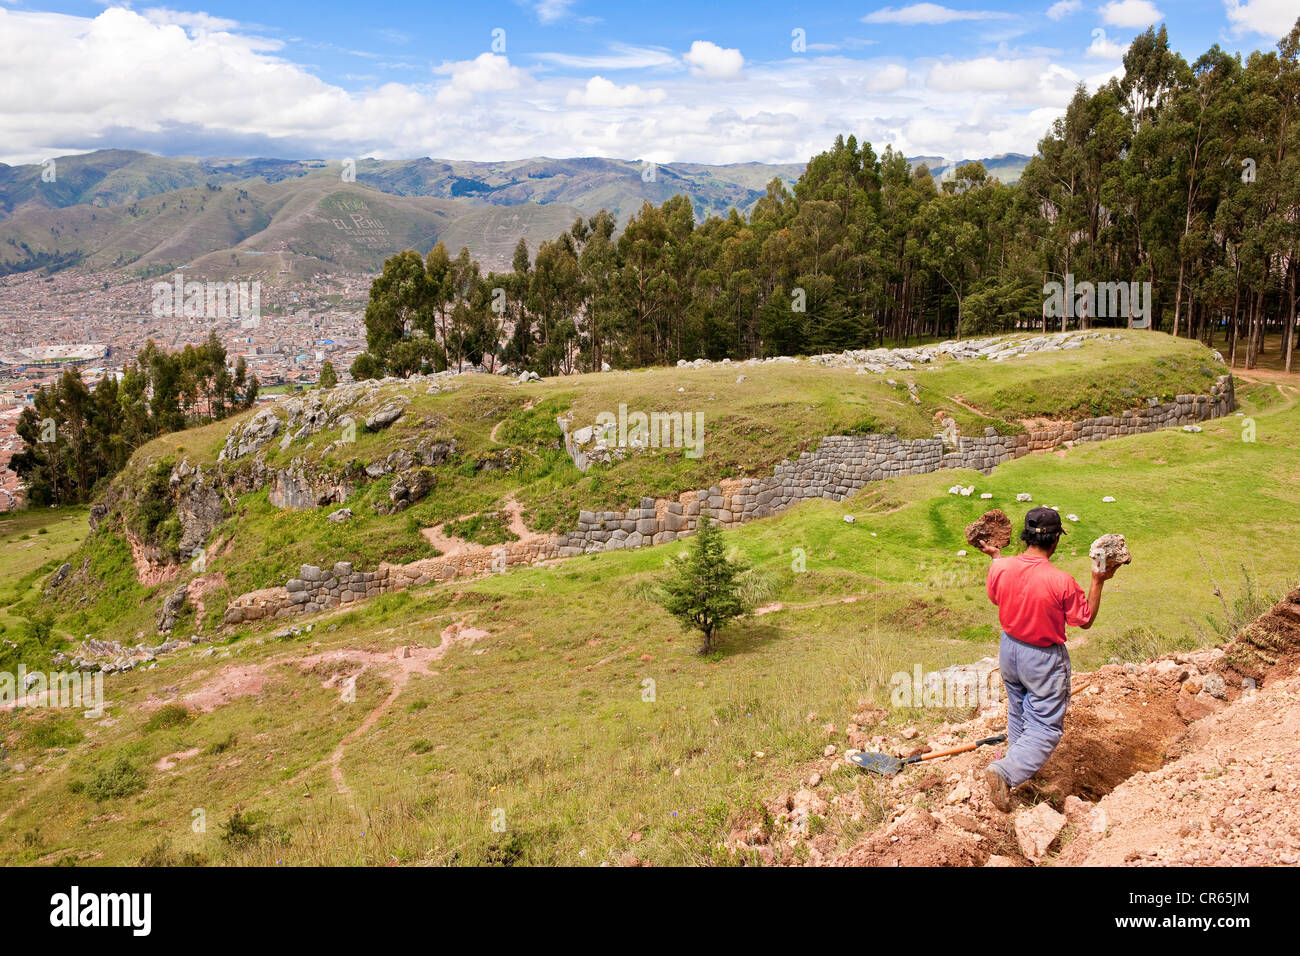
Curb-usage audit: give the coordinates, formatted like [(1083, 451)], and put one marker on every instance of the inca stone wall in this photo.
[(838, 467)]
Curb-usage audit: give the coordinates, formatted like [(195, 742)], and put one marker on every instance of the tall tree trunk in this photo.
[(1291, 320)]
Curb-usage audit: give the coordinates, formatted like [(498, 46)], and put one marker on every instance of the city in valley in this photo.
[(97, 322)]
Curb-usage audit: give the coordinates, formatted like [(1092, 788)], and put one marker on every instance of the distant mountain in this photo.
[(145, 215), (1008, 167)]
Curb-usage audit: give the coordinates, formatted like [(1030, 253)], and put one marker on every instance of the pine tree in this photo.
[(703, 592)]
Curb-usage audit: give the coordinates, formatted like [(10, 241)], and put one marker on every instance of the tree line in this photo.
[(1182, 178), (76, 436)]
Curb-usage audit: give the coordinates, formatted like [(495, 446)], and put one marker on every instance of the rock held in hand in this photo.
[(993, 528), (1109, 552)]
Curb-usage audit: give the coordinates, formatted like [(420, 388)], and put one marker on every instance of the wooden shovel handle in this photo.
[(965, 748), (948, 753)]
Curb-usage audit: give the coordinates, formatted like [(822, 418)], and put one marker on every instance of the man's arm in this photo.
[(1099, 578)]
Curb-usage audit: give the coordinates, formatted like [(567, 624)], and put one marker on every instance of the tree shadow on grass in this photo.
[(743, 638)]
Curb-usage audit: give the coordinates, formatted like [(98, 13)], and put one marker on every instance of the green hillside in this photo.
[(523, 698), (508, 447)]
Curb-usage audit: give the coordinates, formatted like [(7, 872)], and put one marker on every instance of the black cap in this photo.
[(1044, 519)]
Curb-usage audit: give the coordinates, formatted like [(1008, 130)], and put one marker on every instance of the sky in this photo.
[(664, 81)]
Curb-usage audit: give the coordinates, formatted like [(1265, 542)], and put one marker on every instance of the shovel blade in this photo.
[(882, 764)]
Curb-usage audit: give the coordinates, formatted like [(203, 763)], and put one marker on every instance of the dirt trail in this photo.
[(235, 680), (777, 606), (1180, 760), (450, 545), (199, 589), (397, 667), (170, 761)]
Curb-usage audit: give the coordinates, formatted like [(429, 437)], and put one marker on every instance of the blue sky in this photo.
[(667, 81)]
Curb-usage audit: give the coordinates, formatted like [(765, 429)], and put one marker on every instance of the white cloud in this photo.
[(486, 73), (984, 73), (1131, 13), (1270, 18), (195, 21), (120, 79), (888, 78), (602, 92), (1103, 49), (928, 14), (1064, 8), (548, 11), (709, 59), (620, 57)]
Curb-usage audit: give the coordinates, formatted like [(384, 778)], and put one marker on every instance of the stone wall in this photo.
[(840, 466)]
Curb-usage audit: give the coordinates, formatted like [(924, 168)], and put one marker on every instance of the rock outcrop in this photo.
[(171, 609)]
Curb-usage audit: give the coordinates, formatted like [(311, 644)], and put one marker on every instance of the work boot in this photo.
[(999, 792)]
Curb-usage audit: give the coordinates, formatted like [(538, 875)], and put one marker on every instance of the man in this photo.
[(1035, 603)]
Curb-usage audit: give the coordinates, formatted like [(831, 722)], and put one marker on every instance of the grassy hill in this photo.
[(524, 699), (509, 446)]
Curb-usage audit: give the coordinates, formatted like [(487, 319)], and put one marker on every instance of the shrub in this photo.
[(171, 715), (118, 779)]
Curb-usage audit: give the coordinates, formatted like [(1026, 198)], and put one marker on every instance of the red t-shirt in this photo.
[(1036, 600)]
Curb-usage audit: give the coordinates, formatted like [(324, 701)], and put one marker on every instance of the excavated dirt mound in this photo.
[(1232, 800), (1266, 645)]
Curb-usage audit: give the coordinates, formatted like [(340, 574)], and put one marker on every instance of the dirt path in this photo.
[(970, 408), (492, 437), (397, 667), (776, 606), (450, 545)]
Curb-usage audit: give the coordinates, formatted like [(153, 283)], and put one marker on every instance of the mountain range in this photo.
[(144, 215)]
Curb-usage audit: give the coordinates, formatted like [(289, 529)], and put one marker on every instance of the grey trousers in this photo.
[(1037, 684)]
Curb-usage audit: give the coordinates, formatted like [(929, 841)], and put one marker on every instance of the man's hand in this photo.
[(991, 551), (1103, 576)]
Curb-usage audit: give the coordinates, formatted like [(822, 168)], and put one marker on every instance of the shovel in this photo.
[(888, 766)]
